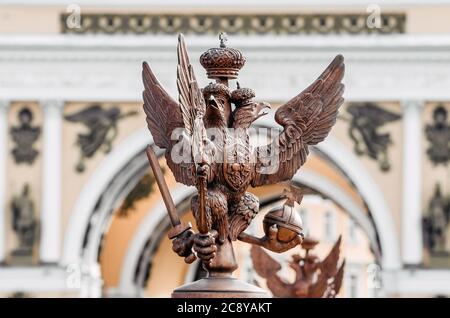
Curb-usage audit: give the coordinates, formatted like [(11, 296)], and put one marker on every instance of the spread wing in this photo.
[(190, 96), (264, 265), (329, 264), (318, 289), (336, 284), (328, 269), (267, 268), (307, 119), (164, 114), (377, 115), (89, 116)]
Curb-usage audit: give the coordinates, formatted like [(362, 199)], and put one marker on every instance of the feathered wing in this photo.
[(163, 116), (336, 284), (267, 268), (264, 265), (89, 116), (328, 269), (307, 119), (377, 115), (318, 289), (329, 264), (190, 96), (243, 215)]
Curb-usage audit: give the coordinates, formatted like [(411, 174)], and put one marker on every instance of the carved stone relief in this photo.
[(24, 135), (102, 130), (436, 222), (141, 191), (438, 136), (24, 225), (105, 23), (364, 123)]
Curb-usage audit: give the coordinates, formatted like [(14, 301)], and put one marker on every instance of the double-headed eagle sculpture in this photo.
[(206, 139), (313, 278)]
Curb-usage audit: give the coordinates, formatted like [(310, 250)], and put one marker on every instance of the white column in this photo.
[(91, 281), (412, 243), (4, 106), (50, 243)]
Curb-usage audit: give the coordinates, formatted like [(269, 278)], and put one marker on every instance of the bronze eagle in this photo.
[(227, 159), (313, 278)]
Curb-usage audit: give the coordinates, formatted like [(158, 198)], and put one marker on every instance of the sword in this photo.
[(178, 227)]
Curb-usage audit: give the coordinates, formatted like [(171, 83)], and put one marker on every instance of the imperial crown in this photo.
[(241, 96), (216, 89), (223, 61)]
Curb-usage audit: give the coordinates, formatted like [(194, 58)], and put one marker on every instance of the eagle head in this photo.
[(247, 110)]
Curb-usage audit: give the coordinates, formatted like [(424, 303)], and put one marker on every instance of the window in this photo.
[(353, 286), (329, 226), (352, 231), (304, 216)]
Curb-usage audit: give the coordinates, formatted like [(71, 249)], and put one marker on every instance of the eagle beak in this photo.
[(212, 102), (262, 106)]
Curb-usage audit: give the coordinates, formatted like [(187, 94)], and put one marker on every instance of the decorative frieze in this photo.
[(105, 23)]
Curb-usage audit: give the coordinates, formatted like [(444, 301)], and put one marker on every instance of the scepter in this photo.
[(202, 224), (198, 152)]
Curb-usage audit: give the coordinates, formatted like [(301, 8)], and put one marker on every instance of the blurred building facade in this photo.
[(81, 215)]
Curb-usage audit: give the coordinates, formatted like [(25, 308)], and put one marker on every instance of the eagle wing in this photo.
[(89, 117), (164, 114), (267, 268), (336, 284), (329, 264), (328, 270), (307, 119), (377, 115), (190, 96), (264, 265)]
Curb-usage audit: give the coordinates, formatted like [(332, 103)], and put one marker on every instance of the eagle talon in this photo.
[(205, 245), (182, 245)]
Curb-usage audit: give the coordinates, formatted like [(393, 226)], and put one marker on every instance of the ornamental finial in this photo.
[(223, 37)]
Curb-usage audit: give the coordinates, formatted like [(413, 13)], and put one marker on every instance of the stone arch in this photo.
[(127, 161)]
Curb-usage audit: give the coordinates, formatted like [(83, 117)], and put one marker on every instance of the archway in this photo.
[(127, 163)]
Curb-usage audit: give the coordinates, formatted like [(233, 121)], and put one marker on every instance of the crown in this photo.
[(216, 89), (222, 61), (240, 95)]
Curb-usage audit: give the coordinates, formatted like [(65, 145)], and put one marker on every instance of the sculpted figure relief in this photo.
[(435, 223), (24, 223), (438, 136), (364, 124), (25, 136), (102, 130), (206, 138)]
